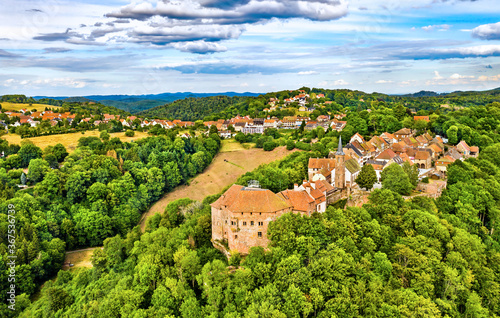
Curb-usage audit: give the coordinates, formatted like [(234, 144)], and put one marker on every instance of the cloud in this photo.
[(219, 67), (49, 37), (69, 64), (340, 82), (439, 27), (448, 53), (484, 78), (35, 10), (199, 47), (56, 50), (437, 76), (487, 31), (454, 79), (44, 82), (307, 73), (383, 82), (244, 12), (6, 54)]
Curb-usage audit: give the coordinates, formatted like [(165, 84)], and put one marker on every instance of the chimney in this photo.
[(295, 186)]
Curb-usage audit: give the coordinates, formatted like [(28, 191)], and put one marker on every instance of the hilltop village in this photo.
[(240, 217)]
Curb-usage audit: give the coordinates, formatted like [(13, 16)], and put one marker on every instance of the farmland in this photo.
[(30, 107), (70, 141)]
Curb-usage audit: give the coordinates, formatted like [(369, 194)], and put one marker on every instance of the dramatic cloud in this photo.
[(487, 31), (69, 64), (244, 11), (49, 37)]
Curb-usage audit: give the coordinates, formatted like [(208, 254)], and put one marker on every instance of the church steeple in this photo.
[(340, 152), (340, 167)]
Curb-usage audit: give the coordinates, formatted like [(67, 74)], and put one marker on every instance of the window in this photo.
[(251, 223), (226, 221), (233, 223), (236, 236), (244, 223), (259, 234), (260, 213), (261, 223)]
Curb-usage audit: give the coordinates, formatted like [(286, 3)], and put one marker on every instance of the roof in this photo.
[(244, 199), (322, 185), (405, 158), (426, 118), (352, 165), (300, 200), (356, 150), (445, 160), (422, 155), (403, 131), (435, 148), (464, 144), (474, 148), (387, 154), (339, 151), (320, 163)]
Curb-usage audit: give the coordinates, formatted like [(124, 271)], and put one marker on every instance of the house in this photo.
[(474, 151), (386, 156), (300, 201), (338, 125), (241, 216), (422, 159), (443, 163), (225, 134), (425, 118), (464, 148), (317, 164), (318, 196), (378, 166), (402, 134), (357, 137)]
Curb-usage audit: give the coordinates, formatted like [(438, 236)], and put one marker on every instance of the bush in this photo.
[(269, 145), (130, 133), (425, 180)]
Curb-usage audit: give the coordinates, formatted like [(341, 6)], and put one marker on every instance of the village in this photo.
[(240, 217)]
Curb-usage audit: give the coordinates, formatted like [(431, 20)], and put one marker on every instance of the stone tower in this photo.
[(339, 167)]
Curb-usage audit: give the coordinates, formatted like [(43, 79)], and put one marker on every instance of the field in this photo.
[(79, 258), (70, 141), (38, 107), (232, 161)]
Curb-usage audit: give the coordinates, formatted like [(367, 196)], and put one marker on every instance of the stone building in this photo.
[(240, 217)]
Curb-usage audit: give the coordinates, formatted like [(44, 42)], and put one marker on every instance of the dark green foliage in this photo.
[(394, 178), (367, 177)]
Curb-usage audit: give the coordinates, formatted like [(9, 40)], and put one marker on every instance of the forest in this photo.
[(80, 199), (389, 258)]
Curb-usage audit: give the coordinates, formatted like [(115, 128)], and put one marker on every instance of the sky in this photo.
[(84, 47)]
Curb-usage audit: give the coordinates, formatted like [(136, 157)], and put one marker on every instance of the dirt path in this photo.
[(224, 170), (79, 258)]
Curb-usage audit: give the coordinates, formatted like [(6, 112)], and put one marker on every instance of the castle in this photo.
[(241, 216)]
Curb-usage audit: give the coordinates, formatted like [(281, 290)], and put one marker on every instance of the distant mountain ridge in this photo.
[(138, 103)]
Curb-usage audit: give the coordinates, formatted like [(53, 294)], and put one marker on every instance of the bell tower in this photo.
[(339, 166)]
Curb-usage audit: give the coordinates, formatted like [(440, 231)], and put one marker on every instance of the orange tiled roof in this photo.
[(387, 154), (300, 200), (320, 163), (243, 199), (422, 155)]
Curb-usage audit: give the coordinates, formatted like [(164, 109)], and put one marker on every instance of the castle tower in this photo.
[(339, 167)]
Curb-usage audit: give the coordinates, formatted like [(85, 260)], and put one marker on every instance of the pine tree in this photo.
[(367, 177)]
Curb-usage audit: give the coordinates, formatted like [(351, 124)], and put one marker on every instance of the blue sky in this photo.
[(85, 47)]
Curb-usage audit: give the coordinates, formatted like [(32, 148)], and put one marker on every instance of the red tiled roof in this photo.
[(243, 199), (300, 200), (320, 163), (422, 155)]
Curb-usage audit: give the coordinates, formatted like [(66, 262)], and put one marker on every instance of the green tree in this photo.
[(394, 178), (452, 134), (28, 152), (412, 173), (129, 133), (367, 177), (104, 135), (37, 169)]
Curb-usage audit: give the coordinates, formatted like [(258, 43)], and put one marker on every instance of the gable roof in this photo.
[(422, 155), (244, 199), (403, 131), (320, 163), (299, 200), (387, 154), (352, 165)]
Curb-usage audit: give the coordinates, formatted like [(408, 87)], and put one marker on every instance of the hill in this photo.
[(137, 103)]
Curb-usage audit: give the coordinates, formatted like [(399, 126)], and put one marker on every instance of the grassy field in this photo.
[(16, 107), (79, 258), (70, 141), (232, 161), (230, 145)]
